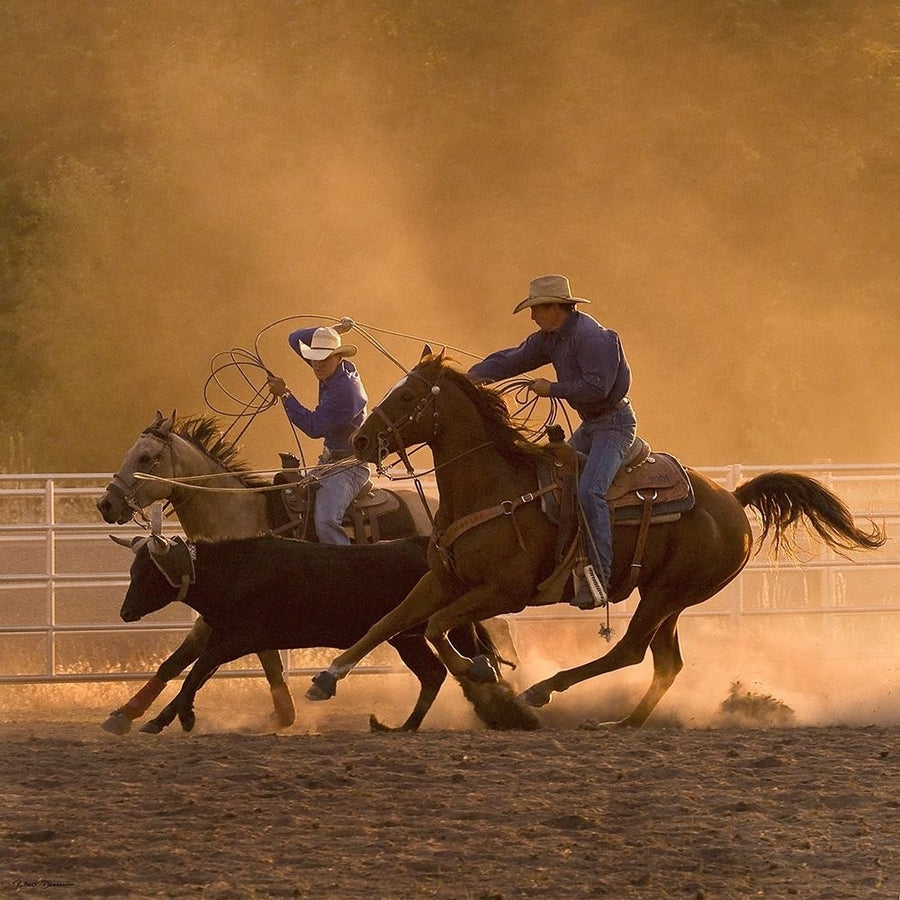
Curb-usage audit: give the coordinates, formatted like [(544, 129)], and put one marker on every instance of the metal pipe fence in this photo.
[(62, 581)]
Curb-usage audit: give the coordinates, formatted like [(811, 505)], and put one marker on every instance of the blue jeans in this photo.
[(605, 440), (337, 488)]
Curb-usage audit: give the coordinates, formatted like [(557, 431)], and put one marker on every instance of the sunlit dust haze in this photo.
[(721, 179)]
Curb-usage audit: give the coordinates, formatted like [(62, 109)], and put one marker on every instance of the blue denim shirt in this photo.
[(342, 405), (592, 373)]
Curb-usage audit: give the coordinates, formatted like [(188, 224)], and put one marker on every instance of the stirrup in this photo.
[(589, 590)]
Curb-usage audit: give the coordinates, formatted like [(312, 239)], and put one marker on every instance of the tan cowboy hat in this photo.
[(325, 342), (549, 289)]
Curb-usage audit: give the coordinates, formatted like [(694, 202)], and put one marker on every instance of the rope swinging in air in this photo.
[(235, 391)]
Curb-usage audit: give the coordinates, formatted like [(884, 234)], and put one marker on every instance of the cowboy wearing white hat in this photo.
[(594, 377), (341, 408)]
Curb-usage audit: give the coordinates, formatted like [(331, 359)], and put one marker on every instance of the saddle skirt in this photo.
[(657, 477), (651, 483), (375, 514), (644, 476)]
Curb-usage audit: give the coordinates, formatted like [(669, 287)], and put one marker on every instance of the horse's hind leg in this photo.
[(629, 651), (667, 663), (273, 666), (119, 720)]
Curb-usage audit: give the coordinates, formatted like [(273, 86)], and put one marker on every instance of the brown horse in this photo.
[(482, 461)]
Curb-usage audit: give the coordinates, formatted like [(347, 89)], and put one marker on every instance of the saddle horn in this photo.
[(156, 519), (133, 544)]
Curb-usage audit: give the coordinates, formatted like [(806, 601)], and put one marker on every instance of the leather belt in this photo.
[(607, 410)]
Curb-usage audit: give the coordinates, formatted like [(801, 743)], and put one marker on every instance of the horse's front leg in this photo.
[(482, 602), (423, 600)]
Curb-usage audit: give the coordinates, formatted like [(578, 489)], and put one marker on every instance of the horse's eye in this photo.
[(145, 458), (407, 396)]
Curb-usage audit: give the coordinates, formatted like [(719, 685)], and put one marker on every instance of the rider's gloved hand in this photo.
[(344, 325), (540, 386), (277, 386)]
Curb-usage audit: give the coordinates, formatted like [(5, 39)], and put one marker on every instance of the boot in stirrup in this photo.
[(589, 590)]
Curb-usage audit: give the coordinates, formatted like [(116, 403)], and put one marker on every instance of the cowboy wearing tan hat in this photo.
[(593, 376), (341, 408)]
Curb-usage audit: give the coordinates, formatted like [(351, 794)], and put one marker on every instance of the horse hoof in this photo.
[(285, 714), (152, 728), (117, 723), (188, 722), (324, 687), (536, 696), (482, 671)]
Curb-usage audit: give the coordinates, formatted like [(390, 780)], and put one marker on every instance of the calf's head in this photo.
[(160, 573)]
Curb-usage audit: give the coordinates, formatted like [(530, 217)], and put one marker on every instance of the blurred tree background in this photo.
[(721, 178)]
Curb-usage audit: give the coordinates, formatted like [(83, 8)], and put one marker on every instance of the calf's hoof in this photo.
[(482, 671), (117, 723), (324, 687), (152, 727), (380, 727), (188, 722), (284, 706)]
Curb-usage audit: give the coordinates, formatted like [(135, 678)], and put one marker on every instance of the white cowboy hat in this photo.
[(548, 289), (325, 342)]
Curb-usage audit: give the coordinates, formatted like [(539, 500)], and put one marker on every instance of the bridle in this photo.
[(128, 491), (393, 426)]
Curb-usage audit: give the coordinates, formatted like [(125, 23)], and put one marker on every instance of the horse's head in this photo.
[(435, 401), (407, 415), (151, 454)]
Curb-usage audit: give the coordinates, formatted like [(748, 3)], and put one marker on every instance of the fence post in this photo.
[(50, 641)]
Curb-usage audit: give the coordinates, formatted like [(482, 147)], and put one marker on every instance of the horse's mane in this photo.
[(204, 433), (510, 439)]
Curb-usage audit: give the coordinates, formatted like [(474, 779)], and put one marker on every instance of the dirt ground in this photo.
[(326, 809)]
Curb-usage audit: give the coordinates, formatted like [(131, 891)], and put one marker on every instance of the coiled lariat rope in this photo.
[(247, 362)]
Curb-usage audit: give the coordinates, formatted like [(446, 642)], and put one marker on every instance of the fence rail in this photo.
[(62, 580)]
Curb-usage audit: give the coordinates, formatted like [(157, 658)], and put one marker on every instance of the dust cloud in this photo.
[(721, 181), (820, 686)]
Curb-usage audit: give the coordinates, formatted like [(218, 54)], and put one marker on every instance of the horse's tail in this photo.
[(785, 500)]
